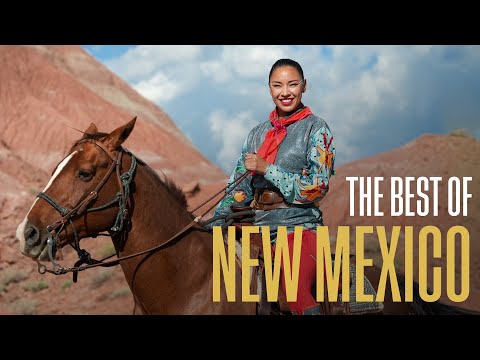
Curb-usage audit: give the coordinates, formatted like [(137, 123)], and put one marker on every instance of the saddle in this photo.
[(257, 276), (281, 307)]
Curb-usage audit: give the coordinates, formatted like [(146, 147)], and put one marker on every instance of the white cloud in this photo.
[(146, 60), (373, 97), (252, 62), (243, 62), (230, 131), (161, 73), (216, 70), (354, 92), (160, 89)]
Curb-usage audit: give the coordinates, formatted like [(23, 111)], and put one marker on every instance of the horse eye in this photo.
[(85, 175)]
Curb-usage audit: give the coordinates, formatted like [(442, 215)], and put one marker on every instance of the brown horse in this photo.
[(166, 256)]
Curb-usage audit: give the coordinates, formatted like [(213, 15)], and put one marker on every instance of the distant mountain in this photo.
[(46, 92)]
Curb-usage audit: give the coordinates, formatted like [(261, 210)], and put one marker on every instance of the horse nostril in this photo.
[(32, 236)]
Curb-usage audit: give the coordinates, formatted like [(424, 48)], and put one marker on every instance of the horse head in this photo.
[(82, 198)]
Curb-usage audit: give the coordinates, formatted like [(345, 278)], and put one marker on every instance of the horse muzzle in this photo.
[(33, 241)]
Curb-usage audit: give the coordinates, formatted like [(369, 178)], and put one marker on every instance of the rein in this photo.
[(122, 197)]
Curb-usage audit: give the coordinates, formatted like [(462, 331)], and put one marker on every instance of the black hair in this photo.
[(285, 62)]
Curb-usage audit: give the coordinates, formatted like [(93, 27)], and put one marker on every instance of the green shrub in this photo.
[(36, 286), (25, 307), (99, 278), (66, 284), (461, 132), (120, 293), (12, 276), (107, 250)]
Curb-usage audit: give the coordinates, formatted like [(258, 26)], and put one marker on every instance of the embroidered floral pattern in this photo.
[(311, 193), (326, 156), (312, 184), (239, 196)]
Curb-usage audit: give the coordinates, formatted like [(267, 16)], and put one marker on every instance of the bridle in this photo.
[(122, 199)]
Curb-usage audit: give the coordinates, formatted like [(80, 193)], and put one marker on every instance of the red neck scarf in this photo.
[(268, 150)]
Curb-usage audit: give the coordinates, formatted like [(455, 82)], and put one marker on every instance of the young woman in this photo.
[(290, 158)]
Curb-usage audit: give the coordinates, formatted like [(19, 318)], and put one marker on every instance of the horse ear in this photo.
[(92, 129), (119, 135)]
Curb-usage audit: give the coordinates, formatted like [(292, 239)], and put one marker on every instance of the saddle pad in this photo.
[(361, 308)]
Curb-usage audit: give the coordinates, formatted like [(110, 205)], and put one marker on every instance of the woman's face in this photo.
[(286, 87)]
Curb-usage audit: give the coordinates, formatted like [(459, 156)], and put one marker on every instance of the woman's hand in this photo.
[(253, 162)]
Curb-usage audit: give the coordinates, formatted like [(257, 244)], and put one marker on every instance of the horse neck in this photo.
[(157, 214), (177, 278), (156, 217)]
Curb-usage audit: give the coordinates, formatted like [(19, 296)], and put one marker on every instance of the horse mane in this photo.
[(170, 185), (175, 191)]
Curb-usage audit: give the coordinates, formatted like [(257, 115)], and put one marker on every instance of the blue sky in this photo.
[(374, 97)]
